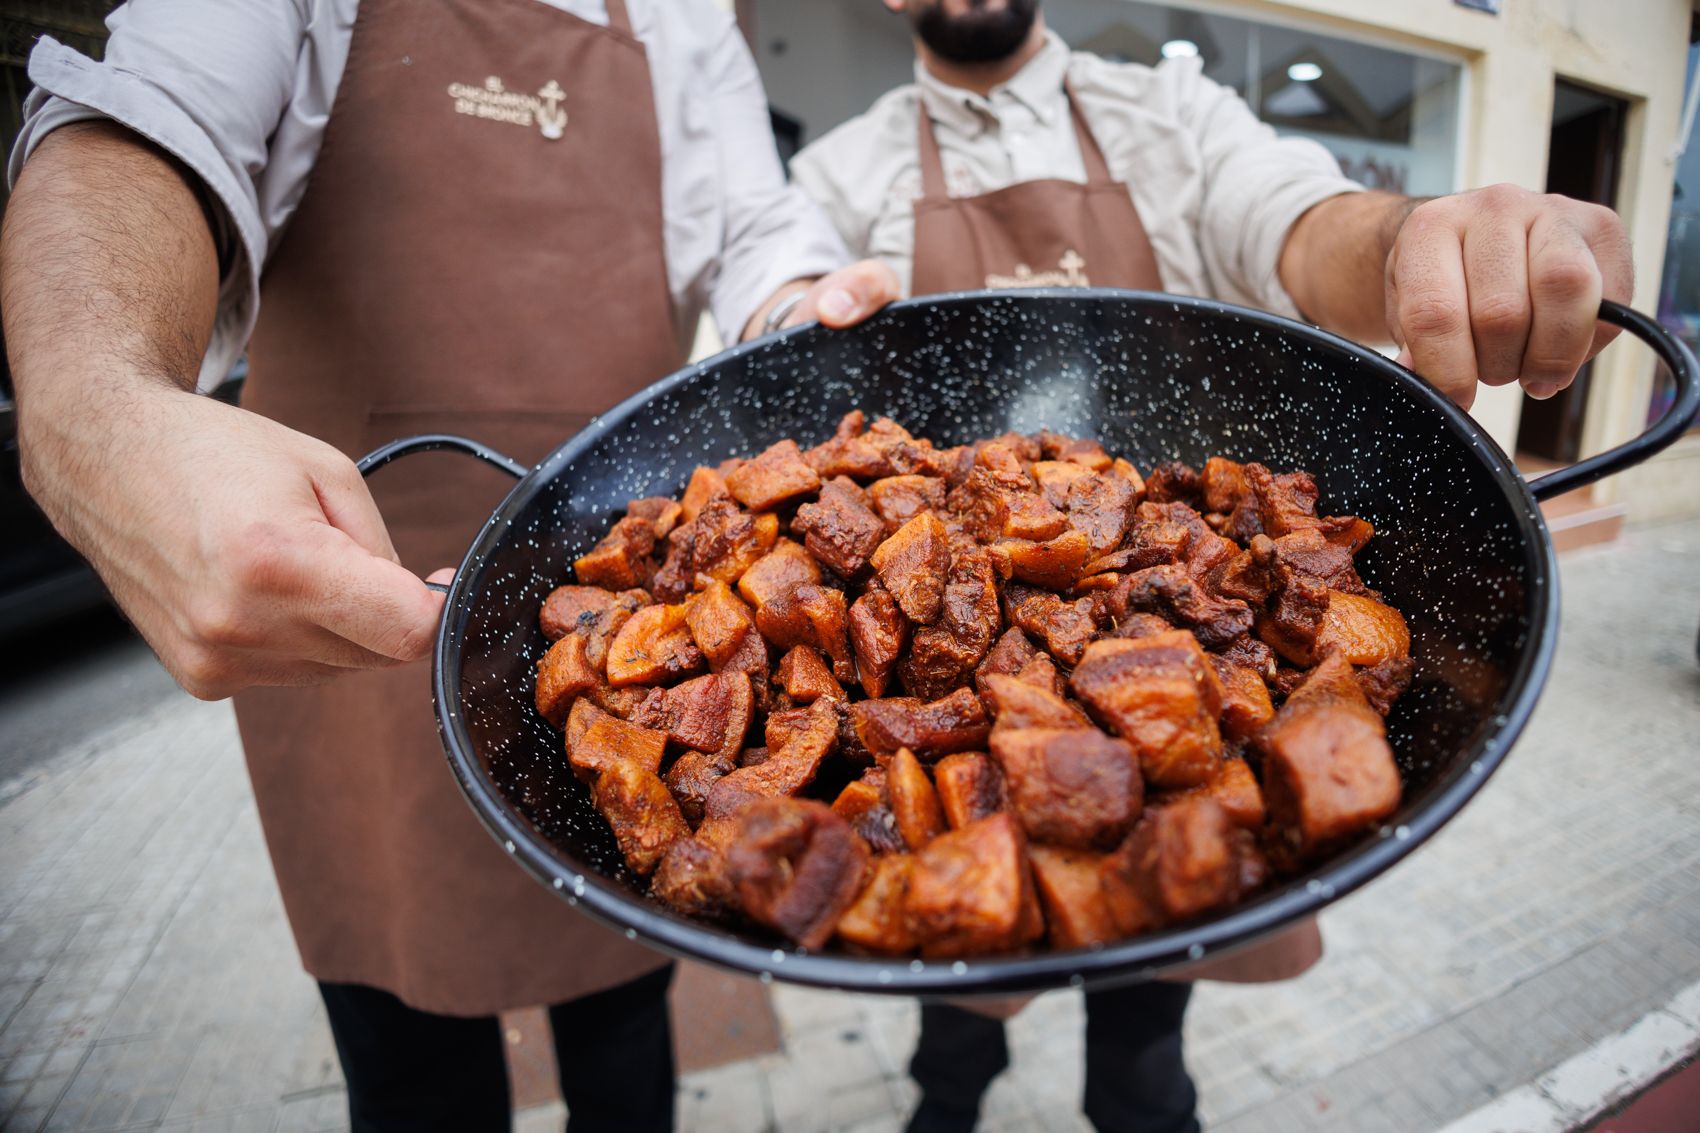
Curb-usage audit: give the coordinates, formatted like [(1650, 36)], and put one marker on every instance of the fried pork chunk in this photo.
[(1069, 786), (604, 742), (971, 891), (942, 656), (1172, 593), (1063, 628), (585, 609), (970, 787), (725, 630), (692, 776), (999, 500), (707, 714), (862, 804), (1160, 694), (876, 921), (1328, 772), (1246, 706), (878, 633), (914, 802), (1072, 895), (780, 473), (1016, 703), (1008, 656), (691, 879), (704, 485), (839, 529), (1234, 788), (912, 565), (953, 723), (1180, 861), (722, 542), (795, 867), (622, 559), (797, 741), (1362, 630), (645, 818), (805, 677), (563, 675), (653, 646), (898, 499)]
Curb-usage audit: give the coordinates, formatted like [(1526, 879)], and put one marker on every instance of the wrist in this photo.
[(787, 297)]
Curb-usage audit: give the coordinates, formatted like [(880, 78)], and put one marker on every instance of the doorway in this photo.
[(1585, 152)]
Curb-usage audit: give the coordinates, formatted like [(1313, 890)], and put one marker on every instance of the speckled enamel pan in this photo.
[(1460, 548)]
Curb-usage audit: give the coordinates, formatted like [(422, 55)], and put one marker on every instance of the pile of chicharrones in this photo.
[(958, 700)]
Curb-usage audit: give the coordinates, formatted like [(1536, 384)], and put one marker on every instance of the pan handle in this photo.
[(1664, 432), (428, 442)]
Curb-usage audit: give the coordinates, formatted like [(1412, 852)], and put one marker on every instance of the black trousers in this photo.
[(1136, 1081), (414, 1071)]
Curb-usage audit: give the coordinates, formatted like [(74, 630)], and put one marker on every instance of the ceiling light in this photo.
[(1179, 49), (1304, 72)]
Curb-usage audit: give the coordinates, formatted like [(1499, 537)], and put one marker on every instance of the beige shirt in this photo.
[(240, 93), (1217, 189)]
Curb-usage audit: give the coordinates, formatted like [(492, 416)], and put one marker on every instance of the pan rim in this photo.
[(1139, 958)]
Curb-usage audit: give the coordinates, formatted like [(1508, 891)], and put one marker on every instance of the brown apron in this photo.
[(1049, 233), (479, 250), (1093, 236)]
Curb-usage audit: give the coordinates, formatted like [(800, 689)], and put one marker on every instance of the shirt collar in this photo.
[(1038, 86)]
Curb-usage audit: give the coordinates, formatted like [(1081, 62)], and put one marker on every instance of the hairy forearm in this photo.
[(108, 272), (1334, 261)]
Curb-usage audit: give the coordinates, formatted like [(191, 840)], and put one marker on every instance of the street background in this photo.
[(1535, 963)]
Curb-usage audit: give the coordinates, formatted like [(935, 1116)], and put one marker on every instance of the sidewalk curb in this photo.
[(1586, 1085)]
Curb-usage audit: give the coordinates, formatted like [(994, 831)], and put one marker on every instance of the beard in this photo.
[(986, 32)]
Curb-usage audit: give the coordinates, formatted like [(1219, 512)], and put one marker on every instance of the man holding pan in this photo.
[(1012, 162), (487, 216)]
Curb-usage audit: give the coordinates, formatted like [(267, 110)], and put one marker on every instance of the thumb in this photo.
[(849, 295), (1404, 357)]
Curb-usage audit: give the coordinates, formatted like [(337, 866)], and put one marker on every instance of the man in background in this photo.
[(1012, 161)]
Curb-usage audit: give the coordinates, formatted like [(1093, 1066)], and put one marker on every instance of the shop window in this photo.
[(1389, 117), (1679, 290)]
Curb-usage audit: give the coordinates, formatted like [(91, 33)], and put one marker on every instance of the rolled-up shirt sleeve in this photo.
[(1256, 186), (773, 232), (207, 81)]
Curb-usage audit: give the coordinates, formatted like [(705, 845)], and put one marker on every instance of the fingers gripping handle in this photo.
[(1663, 432), (429, 442)]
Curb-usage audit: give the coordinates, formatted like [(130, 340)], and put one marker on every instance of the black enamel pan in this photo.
[(1460, 548)]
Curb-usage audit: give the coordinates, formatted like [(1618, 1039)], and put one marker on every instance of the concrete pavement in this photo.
[(147, 979)]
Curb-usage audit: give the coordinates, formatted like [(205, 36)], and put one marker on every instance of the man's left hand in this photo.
[(840, 299), (1502, 285)]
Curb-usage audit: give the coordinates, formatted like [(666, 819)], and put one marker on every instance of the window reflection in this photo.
[(1679, 291), (1389, 117)]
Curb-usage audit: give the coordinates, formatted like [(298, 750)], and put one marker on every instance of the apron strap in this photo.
[(932, 168), (1097, 169), (617, 17)]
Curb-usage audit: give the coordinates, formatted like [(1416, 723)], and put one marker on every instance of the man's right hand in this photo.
[(246, 553)]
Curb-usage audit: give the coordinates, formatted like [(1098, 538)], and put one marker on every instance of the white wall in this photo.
[(826, 60)]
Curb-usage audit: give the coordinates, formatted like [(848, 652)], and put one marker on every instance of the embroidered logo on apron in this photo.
[(494, 101), (1071, 272)]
